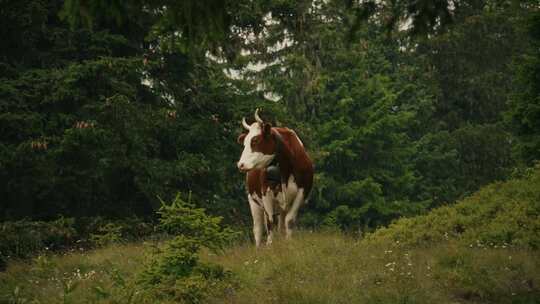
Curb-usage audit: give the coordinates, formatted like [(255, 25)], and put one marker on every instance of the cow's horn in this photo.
[(257, 118), (244, 123)]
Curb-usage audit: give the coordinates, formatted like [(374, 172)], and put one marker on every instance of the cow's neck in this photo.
[(284, 158)]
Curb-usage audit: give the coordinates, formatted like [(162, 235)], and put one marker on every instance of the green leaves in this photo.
[(181, 217), (524, 111), (175, 270)]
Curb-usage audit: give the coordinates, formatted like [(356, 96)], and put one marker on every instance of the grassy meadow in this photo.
[(321, 267), (482, 249), (333, 268)]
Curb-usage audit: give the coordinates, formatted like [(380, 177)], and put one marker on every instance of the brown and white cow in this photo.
[(280, 149)]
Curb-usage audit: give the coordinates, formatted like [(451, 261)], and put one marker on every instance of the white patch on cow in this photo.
[(254, 160), (289, 191), (258, 219), (256, 198), (285, 203), (269, 201), (290, 200), (290, 218)]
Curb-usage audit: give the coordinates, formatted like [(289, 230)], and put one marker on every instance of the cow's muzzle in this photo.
[(242, 167)]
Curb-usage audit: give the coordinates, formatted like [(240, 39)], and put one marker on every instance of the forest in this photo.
[(119, 123)]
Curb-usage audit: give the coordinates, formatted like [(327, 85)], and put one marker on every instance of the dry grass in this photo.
[(332, 268), (103, 275), (312, 268)]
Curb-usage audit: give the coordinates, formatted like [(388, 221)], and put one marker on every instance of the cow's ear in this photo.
[(240, 138), (267, 130)]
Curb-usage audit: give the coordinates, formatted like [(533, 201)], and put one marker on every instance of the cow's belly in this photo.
[(288, 193), (281, 199)]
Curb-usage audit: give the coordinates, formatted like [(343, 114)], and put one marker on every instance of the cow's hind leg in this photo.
[(290, 218), (257, 213)]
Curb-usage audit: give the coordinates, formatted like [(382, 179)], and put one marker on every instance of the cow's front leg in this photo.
[(268, 203), (290, 218), (257, 213)]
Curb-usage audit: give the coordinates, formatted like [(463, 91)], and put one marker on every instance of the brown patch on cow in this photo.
[(292, 158), (264, 145), (266, 130), (257, 183), (254, 181), (264, 142)]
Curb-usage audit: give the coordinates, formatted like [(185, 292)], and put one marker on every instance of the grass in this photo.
[(483, 249), (99, 276), (332, 268), (313, 268)]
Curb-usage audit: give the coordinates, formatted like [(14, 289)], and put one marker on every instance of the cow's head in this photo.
[(259, 145)]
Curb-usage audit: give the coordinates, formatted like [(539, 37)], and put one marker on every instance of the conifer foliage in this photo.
[(106, 105)]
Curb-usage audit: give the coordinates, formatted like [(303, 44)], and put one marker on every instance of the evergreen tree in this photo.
[(102, 121), (524, 112)]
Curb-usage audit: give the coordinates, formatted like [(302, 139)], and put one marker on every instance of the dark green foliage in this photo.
[(524, 113), (470, 64), (100, 125), (345, 218), (467, 67), (100, 232), (25, 239), (22, 239), (396, 124), (454, 164), (366, 153), (196, 25), (357, 109), (104, 106)]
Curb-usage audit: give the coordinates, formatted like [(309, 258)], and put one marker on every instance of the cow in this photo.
[(279, 176)]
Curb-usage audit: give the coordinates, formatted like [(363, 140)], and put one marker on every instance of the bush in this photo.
[(501, 214), (174, 270), (344, 218), (21, 239), (24, 238), (101, 231), (107, 234)]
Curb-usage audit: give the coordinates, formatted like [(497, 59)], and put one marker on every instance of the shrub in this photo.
[(107, 234), (174, 270), (21, 239), (344, 218), (24, 238), (501, 214), (102, 232), (182, 218)]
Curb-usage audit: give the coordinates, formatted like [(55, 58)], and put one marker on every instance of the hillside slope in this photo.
[(481, 250), (500, 214), (332, 268)]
